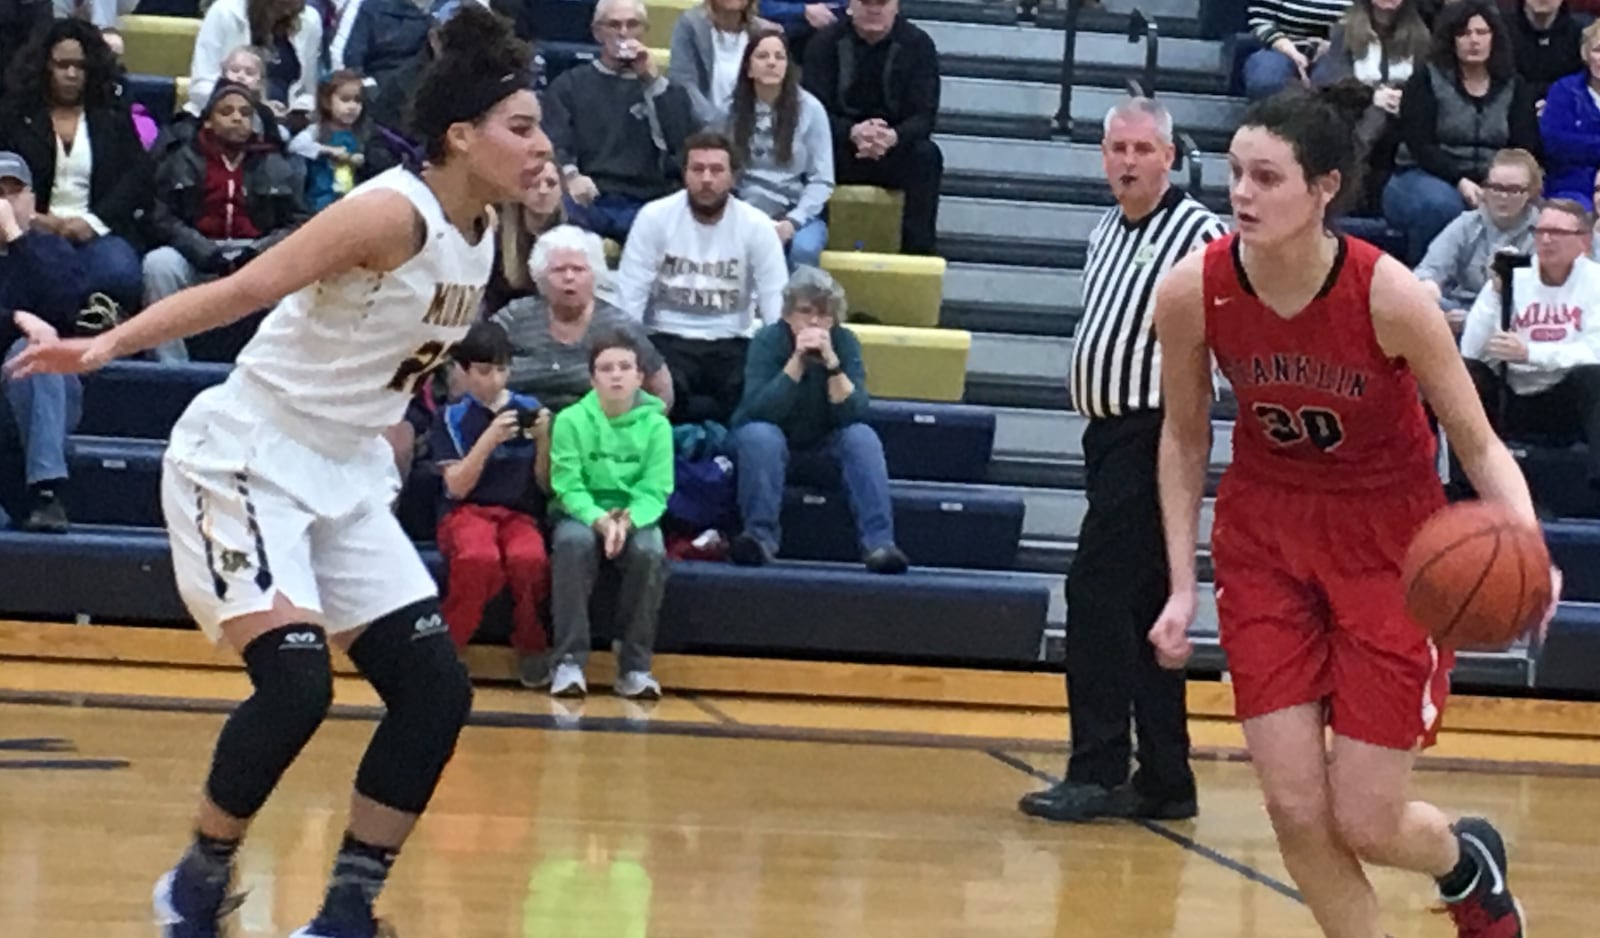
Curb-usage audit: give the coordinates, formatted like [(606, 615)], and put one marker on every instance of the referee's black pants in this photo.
[(1115, 590)]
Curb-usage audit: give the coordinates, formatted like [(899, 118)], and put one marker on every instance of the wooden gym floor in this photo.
[(720, 815)]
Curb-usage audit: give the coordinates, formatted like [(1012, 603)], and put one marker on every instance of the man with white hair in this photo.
[(617, 125), (551, 330), (803, 418), (1118, 580)]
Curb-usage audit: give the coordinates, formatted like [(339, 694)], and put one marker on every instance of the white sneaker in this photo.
[(568, 680), (638, 685)]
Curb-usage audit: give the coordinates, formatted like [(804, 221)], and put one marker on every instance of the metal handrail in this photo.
[(1069, 55), (1145, 27), (1189, 151)]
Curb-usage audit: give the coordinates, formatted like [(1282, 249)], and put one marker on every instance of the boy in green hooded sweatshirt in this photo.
[(611, 472)]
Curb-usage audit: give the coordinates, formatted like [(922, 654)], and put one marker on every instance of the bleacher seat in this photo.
[(865, 218), (142, 399), (914, 364), (563, 21), (1558, 477), (125, 575), (1374, 231), (158, 94), (114, 481), (1569, 658), (663, 19), (936, 526), (934, 442), (553, 58), (893, 289), (1575, 548), (159, 45)]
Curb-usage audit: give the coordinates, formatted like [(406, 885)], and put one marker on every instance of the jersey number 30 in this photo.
[(1318, 425), (427, 357)]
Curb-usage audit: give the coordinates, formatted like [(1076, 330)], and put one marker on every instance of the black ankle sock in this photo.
[(1459, 881), (44, 491), (210, 858), (359, 873)]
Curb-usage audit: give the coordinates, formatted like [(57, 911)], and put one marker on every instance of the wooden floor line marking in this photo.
[(1160, 830)]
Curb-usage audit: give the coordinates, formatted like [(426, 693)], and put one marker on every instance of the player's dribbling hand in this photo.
[(63, 356), (1170, 634)]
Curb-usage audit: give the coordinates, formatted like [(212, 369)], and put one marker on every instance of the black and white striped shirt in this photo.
[(1116, 362), (1271, 20)]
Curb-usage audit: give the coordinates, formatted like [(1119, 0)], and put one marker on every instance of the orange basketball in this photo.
[(1477, 576)]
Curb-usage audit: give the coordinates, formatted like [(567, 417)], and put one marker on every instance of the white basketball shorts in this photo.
[(259, 505)]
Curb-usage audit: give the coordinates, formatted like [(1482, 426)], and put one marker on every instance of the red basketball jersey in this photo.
[(1321, 407)]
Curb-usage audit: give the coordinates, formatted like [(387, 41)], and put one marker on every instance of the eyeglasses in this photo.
[(65, 64), (1558, 232), (623, 25)]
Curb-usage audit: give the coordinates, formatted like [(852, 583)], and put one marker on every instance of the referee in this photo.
[(1118, 580)]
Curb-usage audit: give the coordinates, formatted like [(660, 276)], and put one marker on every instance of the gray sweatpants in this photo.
[(575, 555)]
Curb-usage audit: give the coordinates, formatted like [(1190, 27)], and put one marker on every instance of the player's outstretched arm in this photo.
[(376, 230), (1185, 444), (1408, 325)]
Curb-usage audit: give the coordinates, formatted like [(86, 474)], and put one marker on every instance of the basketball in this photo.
[(1477, 576)]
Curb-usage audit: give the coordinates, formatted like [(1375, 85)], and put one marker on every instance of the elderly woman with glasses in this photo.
[(551, 330), (803, 417)]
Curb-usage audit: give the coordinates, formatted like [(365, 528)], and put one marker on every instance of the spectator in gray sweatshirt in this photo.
[(781, 137), (1457, 263), (617, 125)]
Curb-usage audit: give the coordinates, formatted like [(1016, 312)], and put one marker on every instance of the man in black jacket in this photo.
[(222, 200), (43, 286), (1547, 41), (878, 76)]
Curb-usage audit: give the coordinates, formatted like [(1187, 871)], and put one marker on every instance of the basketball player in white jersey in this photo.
[(276, 485)]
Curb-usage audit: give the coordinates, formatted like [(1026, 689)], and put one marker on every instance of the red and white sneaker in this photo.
[(1489, 910)]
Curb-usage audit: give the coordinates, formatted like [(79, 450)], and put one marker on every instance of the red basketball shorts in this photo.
[(1312, 610)]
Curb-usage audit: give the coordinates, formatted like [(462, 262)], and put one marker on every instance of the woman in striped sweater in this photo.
[(781, 134), (1293, 35)]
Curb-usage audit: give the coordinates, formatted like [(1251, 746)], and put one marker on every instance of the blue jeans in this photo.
[(609, 215), (808, 243), (115, 269), (1421, 205), (1267, 72), (853, 452), (46, 408)]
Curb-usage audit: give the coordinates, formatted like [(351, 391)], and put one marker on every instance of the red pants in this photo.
[(488, 548)]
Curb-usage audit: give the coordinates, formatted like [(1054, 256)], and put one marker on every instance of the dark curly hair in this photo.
[(480, 62), (1452, 22), (1319, 128), (28, 82)]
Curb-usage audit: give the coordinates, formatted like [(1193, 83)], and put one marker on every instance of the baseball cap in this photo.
[(15, 167)]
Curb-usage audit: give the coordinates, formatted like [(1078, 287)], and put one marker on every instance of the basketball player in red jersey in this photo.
[(1325, 340)]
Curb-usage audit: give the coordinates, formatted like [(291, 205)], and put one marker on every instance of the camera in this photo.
[(526, 418)]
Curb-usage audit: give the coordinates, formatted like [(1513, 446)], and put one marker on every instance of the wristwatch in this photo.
[(836, 371)]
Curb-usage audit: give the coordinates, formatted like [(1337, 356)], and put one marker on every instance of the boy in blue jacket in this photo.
[(492, 448)]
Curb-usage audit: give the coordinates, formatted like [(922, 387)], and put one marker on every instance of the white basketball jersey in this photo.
[(350, 350)]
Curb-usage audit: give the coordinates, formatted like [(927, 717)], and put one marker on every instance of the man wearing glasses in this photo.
[(1550, 355), (617, 125)]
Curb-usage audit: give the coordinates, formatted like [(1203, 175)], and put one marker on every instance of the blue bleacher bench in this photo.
[(930, 442), (118, 481), (124, 575), (1569, 659), (937, 526)]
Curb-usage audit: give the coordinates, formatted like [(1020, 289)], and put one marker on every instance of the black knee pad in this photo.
[(409, 660), (293, 689)]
